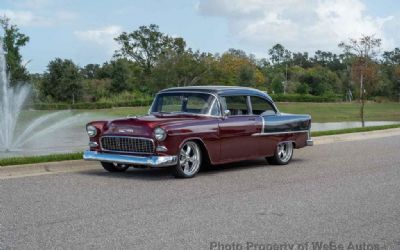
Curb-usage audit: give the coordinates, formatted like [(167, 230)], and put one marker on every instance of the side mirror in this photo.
[(227, 112)]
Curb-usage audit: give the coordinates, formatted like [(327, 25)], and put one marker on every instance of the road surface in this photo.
[(338, 193)]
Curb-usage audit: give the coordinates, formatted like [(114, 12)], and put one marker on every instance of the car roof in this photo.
[(220, 90)]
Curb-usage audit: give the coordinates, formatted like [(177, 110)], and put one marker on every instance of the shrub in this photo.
[(92, 105), (305, 98)]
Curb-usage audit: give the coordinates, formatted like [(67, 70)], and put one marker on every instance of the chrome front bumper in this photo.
[(150, 161)]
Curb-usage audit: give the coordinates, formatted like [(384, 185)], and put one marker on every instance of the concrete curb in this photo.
[(16, 171)]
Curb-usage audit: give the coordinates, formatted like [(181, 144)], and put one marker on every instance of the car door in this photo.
[(266, 113), (236, 129)]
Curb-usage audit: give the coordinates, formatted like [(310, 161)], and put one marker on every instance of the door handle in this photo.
[(252, 119)]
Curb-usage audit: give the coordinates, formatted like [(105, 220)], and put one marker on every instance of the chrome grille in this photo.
[(127, 144)]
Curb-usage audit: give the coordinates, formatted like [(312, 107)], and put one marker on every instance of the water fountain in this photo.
[(11, 101), (27, 136)]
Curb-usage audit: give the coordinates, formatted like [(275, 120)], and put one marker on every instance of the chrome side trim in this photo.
[(150, 161), (280, 133), (132, 137), (263, 124)]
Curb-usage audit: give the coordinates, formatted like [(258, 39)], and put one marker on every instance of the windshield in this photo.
[(193, 103)]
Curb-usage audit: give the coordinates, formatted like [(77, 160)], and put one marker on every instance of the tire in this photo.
[(189, 160), (283, 154), (113, 167)]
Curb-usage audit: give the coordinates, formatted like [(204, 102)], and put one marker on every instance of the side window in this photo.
[(237, 105), (260, 106)]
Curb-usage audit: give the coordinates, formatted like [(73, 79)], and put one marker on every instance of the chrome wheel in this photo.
[(285, 151), (190, 158)]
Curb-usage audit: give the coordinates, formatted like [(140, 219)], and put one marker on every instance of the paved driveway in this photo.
[(341, 192)]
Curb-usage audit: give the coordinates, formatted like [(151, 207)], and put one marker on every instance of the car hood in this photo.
[(145, 125)]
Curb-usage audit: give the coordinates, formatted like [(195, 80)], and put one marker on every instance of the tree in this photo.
[(278, 54), (277, 85), (12, 41), (392, 57), (122, 75), (179, 68), (145, 45), (365, 49), (62, 81), (301, 59), (91, 71)]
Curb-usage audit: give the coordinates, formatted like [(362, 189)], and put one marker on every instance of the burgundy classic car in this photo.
[(189, 127)]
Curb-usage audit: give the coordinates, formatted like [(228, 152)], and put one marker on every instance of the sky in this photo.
[(84, 30)]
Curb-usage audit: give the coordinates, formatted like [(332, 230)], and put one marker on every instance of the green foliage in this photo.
[(149, 60), (320, 80), (302, 88), (62, 81), (146, 44), (93, 105), (12, 41), (39, 159), (277, 85), (278, 54), (305, 98), (120, 76)]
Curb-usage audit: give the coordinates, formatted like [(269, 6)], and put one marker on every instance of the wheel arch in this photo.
[(204, 150)]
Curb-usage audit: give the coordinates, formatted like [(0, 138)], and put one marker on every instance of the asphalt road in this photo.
[(334, 193)]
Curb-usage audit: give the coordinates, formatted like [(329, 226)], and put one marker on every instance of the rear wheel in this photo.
[(189, 160), (114, 167), (283, 154)]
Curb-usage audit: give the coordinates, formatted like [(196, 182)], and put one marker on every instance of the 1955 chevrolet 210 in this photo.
[(188, 127)]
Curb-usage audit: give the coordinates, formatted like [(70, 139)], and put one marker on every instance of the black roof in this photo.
[(220, 90)]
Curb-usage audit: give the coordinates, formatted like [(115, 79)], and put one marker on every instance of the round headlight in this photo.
[(91, 130), (160, 134)]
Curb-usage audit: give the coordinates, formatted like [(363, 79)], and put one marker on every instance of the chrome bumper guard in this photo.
[(310, 141), (150, 161)]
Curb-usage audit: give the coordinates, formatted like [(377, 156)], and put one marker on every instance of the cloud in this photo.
[(32, 4), (24, 18), (103, 37), (298, 24), (27, 18)]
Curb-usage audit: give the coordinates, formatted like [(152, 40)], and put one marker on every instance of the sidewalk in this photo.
[(356, 136)]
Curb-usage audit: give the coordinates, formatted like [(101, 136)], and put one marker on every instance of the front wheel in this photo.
[(283, 154), (114, 167), (189, 160)]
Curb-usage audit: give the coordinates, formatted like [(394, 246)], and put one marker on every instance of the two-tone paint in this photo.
[(223, 138)]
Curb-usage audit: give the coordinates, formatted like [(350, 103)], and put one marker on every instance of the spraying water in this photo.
[(17, 136), (11, 103)]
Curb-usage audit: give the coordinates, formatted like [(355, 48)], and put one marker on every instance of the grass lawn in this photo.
[(337, 112), (39, 159), (320, 112)]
